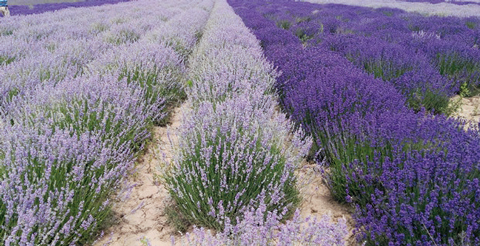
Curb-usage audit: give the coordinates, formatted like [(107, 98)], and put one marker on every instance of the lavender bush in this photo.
[(449, 43), (156, 68), (254, 229), (427, 9), (60, 172), (229, 155), (459, 2), (409, 72)]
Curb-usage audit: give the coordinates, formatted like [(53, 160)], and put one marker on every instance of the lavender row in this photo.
[(62, 51), (236, 157), (458, 2), (162, 73), (427, 59), (66, 146), (384, 41), (413, 177), (426, 9), (48, 7)]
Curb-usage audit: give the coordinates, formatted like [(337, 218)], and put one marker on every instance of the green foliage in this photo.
[(284, 24), (6, 32), (123, 36), (5, 60), (99, 27), (176, 219), (464, 91), (303, 19), (431, 101), (384, 69), (12, 93), (387, 13), (471, 24), (300, 33), (463, 72)]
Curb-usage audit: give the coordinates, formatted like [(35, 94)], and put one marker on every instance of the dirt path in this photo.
[(141, 215), (469, 109), (317, 200)]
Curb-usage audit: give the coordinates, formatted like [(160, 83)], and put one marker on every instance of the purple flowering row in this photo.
[(458, 2), (46, 47), (236, 157), (427, 59), (76, 110), (48, 7), (412, 176)]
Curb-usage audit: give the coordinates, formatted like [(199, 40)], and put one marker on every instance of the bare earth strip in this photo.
[(141, 215), (469, 109), (318, 201)]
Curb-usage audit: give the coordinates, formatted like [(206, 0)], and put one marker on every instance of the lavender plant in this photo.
[(254, 229), (409, 72), (63, 56), (154, 67), (55, 186), (229, 155), (47, 7)]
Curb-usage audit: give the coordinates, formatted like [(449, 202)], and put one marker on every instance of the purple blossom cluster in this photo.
[(413, 176), (457, 2), (76, 110), (255, 229)]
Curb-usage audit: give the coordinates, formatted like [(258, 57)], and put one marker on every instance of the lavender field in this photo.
[(239, 122)]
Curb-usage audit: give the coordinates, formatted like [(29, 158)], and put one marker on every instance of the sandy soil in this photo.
[(469, 109), (317, 200), (141, 215)]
